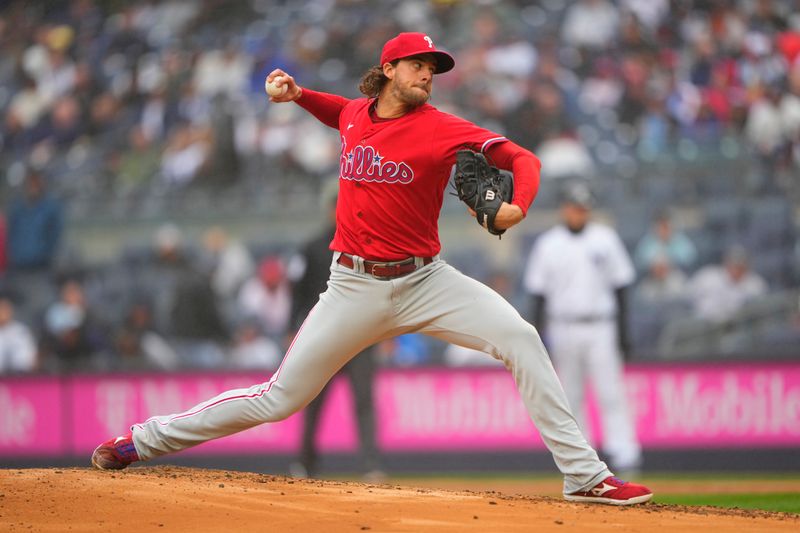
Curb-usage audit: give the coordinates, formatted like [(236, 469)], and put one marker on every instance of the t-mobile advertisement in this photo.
[(426, 410)]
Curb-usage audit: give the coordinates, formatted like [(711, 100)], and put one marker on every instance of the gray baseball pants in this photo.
[(358, 310)]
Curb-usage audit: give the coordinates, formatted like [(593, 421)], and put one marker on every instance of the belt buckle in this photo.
[(379, 265), (393, 265), (372, 270)]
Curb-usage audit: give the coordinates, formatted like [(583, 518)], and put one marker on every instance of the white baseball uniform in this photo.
[(578, 273)]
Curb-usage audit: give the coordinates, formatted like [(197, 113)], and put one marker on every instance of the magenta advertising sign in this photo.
[(32, 417), (419, 410), (439, 410), (736, 406)]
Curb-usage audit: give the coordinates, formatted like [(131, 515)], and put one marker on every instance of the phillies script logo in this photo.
[(364, 163)]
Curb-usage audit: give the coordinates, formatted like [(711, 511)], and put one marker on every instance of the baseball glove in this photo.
[(482, 187)]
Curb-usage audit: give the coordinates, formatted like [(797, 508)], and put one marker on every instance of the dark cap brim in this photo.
[(444, 61)]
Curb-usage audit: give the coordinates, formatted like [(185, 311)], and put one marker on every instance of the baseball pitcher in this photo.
[(386, 275)]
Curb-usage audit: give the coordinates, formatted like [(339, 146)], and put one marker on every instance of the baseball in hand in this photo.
[(274, 90)]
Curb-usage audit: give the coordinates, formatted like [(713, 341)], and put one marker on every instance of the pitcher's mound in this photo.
[(186, 499)]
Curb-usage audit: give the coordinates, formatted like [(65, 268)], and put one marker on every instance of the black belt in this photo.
[(385, 269)]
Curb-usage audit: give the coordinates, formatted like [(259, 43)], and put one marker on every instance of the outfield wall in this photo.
[(419, 410)]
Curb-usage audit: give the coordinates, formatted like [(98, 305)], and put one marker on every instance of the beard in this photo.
[(412, 98)]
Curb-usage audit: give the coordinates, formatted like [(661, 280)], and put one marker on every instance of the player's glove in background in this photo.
[(482, 187)]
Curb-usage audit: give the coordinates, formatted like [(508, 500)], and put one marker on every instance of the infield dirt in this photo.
[(186, 499)]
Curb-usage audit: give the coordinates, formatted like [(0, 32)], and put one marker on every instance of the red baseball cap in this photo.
[(411, 44)]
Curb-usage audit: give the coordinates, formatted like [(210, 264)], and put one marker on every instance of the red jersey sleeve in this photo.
[(524, 165), (324, 106), (453, 133)]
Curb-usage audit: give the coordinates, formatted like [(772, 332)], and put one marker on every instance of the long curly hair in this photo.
[(373, 81)]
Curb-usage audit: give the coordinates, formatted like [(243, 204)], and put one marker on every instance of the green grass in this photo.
[(787, 502)]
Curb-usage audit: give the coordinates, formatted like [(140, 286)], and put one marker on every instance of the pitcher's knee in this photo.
[(280, 413), (520, 340), (279, 407), (520, 333)]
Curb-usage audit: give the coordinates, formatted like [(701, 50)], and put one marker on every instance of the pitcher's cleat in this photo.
[(115, 454), (613, 491)]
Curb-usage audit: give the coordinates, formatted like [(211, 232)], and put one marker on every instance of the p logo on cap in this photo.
[(413, 43)]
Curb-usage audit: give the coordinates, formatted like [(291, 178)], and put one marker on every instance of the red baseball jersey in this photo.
[(393, 174)]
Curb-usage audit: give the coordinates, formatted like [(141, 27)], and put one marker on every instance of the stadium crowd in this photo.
[(122, 110)]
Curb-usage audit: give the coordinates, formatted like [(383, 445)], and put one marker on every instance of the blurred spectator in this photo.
[(662, 282), (71, 333), (224, 164), (55, 73), (35, 225), (184, 305), (541, 113), (64, 126), (198, 329), (27, 106), (138, 165), (765, 132), (253, 350), (759, 63), (650, 13), (110, 122), (137, 344), (683, 103), (268, 298), (705, 53), (230, 263), (719, 291), (17, 345), (663, 241), (156, 116), (222, 71), (602, 89), (790, 107), (160, 271), (654, 128), (186, 155), (723, 98), (565, 156), (590, 23)]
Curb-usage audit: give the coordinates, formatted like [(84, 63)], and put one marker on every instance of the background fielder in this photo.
[(577, 272)]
